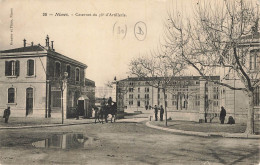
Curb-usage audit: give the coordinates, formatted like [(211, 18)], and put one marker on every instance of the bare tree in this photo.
[(159, 70), (221, 35)]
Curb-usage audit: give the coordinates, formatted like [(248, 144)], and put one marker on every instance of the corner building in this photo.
[(36, 81)]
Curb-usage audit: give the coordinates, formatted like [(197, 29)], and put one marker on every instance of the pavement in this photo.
[(183, 127)]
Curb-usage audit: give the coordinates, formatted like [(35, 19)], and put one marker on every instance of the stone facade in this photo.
[(186, 97), (34, 78)]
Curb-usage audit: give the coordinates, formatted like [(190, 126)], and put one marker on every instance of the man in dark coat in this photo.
[(156, 112), (77, 112), (109, 101), (161, 113), (7, 113), (222, 115)]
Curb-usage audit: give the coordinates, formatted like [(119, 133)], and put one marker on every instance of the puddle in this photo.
[(66, 141)]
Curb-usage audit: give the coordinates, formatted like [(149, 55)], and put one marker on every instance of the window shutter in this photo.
[(17, 68), (30, 67), (7, 68)]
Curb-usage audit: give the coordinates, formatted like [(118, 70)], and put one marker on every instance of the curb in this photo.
[(41, 126), (205, 134), (60, 125)]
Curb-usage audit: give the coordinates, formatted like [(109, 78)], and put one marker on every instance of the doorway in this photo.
[(29, 101), (81, 107)]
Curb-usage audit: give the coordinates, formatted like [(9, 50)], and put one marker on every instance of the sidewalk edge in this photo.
[(205, 134)]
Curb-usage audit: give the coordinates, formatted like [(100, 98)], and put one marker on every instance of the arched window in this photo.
[(30, 67), (77, 74), (68, 70), (57, 69), (11, 95)]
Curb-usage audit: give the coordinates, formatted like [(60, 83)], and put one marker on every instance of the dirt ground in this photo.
[(124, 143)]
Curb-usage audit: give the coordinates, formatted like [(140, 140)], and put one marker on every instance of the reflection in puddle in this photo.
[(65, 141)]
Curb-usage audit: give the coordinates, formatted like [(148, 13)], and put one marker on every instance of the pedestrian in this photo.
[(77, 112), (222, 115), (156, 112), (109, 102), (7, 113), (161, 113)]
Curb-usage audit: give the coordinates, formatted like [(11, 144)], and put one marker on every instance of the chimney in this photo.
[(47, 41), (52, 45), (32, 43), (24, 43)]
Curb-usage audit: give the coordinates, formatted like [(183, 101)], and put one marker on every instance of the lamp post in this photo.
[(63, 84)]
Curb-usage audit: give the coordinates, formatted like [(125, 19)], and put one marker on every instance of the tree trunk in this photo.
[(164, 98), (250, 115)]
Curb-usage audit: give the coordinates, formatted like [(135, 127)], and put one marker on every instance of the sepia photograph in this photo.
[(130, 82)]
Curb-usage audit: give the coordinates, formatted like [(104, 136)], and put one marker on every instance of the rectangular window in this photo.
[(131, 102), (257, 97), (138, 96), (12, 68), (254, 60), (138, 103), (131, 96), (131, 89), (138, 89), (30, 67)]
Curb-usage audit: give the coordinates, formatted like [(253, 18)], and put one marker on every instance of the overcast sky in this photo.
[(90, 40)]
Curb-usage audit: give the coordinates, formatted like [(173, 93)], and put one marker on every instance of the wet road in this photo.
[(120, 143)]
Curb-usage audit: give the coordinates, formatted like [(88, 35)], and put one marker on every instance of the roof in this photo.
[(174, 78), (24, 49), (49, 52), (89, 82)]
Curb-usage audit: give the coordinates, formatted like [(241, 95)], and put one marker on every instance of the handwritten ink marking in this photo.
[(119, 30), (11, 27), (140, 30)]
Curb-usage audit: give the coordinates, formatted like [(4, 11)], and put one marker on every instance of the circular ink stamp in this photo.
[(119, 30), (140, 30)]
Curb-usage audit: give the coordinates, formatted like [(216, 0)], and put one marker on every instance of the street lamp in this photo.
[(63, 85)]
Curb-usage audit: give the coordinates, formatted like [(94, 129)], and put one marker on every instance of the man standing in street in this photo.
[(156, 112), (222, 115), (7, 113), (161, 113)]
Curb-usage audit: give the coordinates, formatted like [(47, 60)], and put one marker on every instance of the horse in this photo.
[(99, 114), (110, 109)]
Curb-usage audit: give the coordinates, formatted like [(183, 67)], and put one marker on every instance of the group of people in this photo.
[(156, 109), (7, 113), (221, 116)]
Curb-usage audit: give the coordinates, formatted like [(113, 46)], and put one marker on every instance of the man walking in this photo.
[(222, 115), (156, 112), (161, 113), (7, 113)]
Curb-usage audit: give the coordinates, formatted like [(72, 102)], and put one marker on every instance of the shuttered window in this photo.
[(12, 68), (30, 67)]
